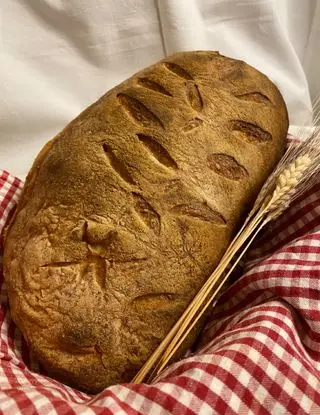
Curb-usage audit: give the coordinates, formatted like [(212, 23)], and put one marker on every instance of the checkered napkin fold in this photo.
[(258, 354)]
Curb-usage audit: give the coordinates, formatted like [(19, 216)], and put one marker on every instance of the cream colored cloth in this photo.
[(57, 56)]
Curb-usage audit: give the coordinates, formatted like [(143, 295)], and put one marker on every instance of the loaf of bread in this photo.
[(128, 210)]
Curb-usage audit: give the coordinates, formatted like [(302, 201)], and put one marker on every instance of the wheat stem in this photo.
[(188, 324), (197, 302), (187, 328)]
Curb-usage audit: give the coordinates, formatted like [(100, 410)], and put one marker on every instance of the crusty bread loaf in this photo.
[(128, 210)]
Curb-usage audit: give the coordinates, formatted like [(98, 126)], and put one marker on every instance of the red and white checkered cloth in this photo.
[(259, 354)]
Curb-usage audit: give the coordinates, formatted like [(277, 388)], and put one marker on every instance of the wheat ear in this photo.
[(287, 185)]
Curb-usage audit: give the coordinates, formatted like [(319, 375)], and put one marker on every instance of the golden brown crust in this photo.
[(129, 209), (26, 191)]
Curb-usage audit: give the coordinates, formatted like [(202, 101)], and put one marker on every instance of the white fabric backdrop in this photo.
[(57, 56)]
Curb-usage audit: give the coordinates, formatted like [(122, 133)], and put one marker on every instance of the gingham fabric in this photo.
[(259, 353)]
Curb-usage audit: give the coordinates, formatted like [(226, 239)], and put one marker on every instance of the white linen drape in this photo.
[(57, 56)]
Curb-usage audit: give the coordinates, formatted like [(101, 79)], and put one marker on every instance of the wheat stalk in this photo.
[(170, 352), (295, 171)]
